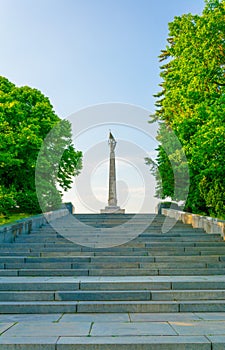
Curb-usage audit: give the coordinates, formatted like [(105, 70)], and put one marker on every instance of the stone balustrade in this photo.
[(209, 224), (9, 232)]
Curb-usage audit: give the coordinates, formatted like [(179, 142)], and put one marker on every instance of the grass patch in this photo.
[(13, 217)]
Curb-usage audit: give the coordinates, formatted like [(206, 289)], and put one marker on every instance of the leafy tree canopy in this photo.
[(192, 104), (26, 118)]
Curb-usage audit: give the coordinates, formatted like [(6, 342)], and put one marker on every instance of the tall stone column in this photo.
[(112, 199)]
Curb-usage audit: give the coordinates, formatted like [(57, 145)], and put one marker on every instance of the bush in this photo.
[(27, 202)]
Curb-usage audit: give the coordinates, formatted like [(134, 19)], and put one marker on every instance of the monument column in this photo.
[(112, 199)]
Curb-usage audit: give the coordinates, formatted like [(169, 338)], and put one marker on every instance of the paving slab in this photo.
[(216, 316), (48, 329), (93, 317), (163, 317), (29, 317), (5, 326), (129, 329), (199, 327)]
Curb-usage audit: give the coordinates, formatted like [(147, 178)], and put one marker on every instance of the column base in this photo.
[(112, 210)]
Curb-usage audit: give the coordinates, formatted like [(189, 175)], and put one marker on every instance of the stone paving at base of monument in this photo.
[(106, 331)]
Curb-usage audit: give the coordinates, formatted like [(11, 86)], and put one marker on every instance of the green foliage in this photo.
[(13, 217), (7, 201), (192, 104), (56, 163), (26, 118), (27, 201)]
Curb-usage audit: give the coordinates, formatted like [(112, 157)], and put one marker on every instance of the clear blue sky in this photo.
[(83, 52)]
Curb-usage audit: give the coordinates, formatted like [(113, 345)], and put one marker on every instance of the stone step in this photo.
[(156, 272), (45, 272), (130, 256), (121, 262), (47, 283), (62, 253), (156, 282), (181, 241), (101, 232), (74, 295), (45, 257), (134, 342), (91, 259), (154, 245), (135, 264), (188, 295), (145, 229), (124, 295), (19, 247), (152, 306), (149, 265), (111, 272), (111, 306), (65, 252), (145, 225)]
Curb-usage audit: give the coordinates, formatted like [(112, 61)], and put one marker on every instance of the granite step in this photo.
[(154, 342), (110, 272), (46, 307), (101, 265), (162, 272), (97, 258), (215, 282), (124, 295)]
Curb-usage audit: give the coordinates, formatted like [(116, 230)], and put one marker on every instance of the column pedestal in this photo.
[(112, 210)]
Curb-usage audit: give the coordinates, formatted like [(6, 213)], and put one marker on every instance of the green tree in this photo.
[(57, 164), (192, 104), (26, 118)]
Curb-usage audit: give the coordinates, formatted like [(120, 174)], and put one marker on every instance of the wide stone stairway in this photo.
[(111, 282)]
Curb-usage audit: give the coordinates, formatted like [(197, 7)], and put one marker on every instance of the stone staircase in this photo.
[(132, 296)]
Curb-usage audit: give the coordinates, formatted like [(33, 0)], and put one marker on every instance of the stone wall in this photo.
[(9, 232), (210, 225)]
